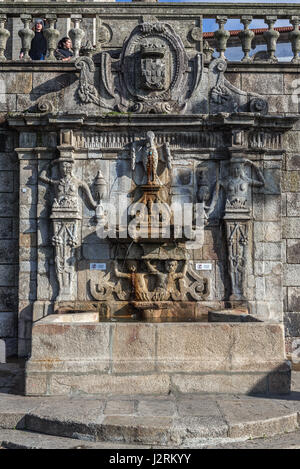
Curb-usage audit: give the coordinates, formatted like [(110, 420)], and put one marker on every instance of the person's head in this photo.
[(171, 266), (65, 168), (236, 170), (132, 265), (38, 25), (65, 43), (150, 137)]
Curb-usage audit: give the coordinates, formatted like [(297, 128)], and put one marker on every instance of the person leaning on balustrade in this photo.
[(64, 49), (38, 49)]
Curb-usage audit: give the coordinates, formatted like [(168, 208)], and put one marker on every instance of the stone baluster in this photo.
[(76, 34), (4, 35), (221, 36), (52, 36), (246, 36), (208, 52), (294, 37), (26, 34), (271, 37)]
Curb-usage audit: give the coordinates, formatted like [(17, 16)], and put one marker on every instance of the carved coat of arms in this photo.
[(153, 66)]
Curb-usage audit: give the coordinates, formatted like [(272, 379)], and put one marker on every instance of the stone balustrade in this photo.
[(57, 13)]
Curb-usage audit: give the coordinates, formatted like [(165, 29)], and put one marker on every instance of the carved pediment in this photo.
[(153, 74)]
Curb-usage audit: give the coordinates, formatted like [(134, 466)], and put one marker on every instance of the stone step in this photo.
[(194, 420), (20, 439), (162, 431)]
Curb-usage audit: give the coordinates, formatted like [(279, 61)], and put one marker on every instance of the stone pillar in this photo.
[(76, 34), (294, 37), (221, 36), (4, 35), (52, 35), (246, 37), (271, 37), (26, 34)]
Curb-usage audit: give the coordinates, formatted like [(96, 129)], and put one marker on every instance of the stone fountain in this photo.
[(150, 262)]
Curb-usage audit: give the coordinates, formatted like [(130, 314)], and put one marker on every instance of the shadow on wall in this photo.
[(52, 90)]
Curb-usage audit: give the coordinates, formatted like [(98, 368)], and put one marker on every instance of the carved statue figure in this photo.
[(65, 218), (237, 184), (166, 281), (147, 154), (139, 289), (67, 186)]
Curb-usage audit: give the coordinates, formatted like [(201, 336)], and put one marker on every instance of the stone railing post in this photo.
[(221, 36), (76, 34), (52, 35), (271, 37), (294, 37), (246, 36), (4, 35), (26, 34)]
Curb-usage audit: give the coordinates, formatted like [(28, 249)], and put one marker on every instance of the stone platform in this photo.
[(71, 356), (154, 421)]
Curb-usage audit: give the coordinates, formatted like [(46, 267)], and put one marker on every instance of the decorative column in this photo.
[(221, 36), (294, 37), (76, 34), (271, 36), (246, 37), (26, 34), (237, 219), (4, 35), (52, 35)]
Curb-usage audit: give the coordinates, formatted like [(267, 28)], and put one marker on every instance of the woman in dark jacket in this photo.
[(38, 49), (64, 49)]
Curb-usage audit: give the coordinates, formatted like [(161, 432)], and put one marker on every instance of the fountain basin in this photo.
[(97, 358)]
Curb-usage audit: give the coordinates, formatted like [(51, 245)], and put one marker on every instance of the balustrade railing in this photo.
[(76, 13)]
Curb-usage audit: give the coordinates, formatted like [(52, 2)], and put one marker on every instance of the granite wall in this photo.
[(23, 86)]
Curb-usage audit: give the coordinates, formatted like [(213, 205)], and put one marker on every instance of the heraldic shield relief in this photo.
[(156, 55), (153, 66)]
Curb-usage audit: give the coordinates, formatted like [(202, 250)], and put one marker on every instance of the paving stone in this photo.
[(156, 407), (16, 439), (200, 407), (114, 407)]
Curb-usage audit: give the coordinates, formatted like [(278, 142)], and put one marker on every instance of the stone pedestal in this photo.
[(79, 354)]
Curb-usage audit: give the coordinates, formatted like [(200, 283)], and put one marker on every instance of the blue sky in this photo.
[(235, 53), (210, 25)]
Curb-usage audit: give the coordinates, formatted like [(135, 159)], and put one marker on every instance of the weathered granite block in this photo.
[(293, 251), (7, 275), (293, 161), (293, 204), (291, 228), (8, 325), (292, 323), (64, 350), (133, 347), (2, 351), (17, 82), (294, 299), (291, 275), (6, 181), (261, 83), (267, 251), (6, 228)]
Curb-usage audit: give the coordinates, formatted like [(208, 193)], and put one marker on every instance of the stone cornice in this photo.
[(115, 121), (57, 66), (165, 9)]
